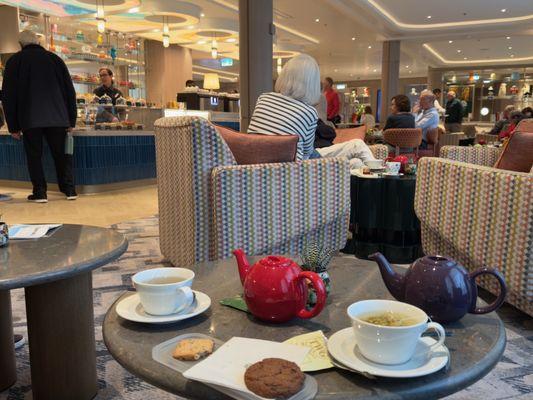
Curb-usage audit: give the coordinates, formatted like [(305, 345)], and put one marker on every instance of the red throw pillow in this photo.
[(345, 135), (252, 148), (517, 153)]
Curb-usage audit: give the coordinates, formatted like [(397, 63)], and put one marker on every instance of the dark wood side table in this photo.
[(56, 273), (383, 218)]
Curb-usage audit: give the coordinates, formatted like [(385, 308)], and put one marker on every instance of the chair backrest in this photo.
[(526, 125), (187, 150), (347, 134), (432, 136), (403, 137)]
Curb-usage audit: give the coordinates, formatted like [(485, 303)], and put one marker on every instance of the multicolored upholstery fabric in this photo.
[(486, 156), (198, 181), (277, 208), (485, 137), (451, 139), (380, 151), (480, 216)]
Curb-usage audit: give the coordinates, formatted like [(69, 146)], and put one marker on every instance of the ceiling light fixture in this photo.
[(133, 10), (450, 41), (375, 70), (100, 16), (214, 49), (369, 47), (458, 51), (465, 58), (407, 66), (510, 47), (202, 15), (317, 20), (512, 55), (231, 40), (202, 42), (279, 66), (166, 40), (335, 70), (508, 37), (428, 17), (503, 10), (166, 31), (353, 38)]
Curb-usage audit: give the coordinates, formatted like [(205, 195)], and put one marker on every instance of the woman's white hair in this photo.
[(300, 79), (28, 37)]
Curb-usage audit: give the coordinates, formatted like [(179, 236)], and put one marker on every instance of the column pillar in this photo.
[(390, 75), (255, 52), (435, 80)]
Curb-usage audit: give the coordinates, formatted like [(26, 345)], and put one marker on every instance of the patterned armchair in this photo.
[(209, 205), (480, 216)]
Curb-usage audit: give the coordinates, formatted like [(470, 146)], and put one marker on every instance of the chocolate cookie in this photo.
[(274, 378)]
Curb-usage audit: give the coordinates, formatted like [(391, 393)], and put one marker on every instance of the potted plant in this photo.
[(316, 258)]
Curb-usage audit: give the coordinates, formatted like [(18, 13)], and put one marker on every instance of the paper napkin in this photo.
[(226, 366), (318, 357)]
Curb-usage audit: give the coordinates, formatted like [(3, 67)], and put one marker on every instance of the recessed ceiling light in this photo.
[(231, 40), (353, 38), (351, 74), (428, 17), (335, 70), (465, 58), (155, 30), (369, 47), (190, 27), (512, 55), (133, 10), (375, 70), (508, 37), (450, 41), (458, 51), (317, 20), (407, 66), (503, 10), (202, 15), (410, 72), (202, 42), (510, 47)]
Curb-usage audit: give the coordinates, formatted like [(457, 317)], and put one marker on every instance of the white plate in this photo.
[(342, 347), (131, 309), (389, 174)]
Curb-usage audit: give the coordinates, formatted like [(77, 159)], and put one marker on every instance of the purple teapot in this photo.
[(439, 286)]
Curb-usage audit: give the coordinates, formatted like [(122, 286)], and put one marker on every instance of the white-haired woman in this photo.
[(290, 111)]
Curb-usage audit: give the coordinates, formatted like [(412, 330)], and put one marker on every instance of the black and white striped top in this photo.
[(276, 114)]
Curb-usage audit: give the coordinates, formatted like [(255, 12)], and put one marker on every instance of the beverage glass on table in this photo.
[(164, 291), (387, 332)]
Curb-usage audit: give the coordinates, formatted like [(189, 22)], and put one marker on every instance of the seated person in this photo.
[(502, 123), (515, 118), (401, 116), (289, 111), (367, 119), (429, 117), (325, 130)]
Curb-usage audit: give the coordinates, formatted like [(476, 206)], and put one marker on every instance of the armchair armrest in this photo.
[(380, 151), (269, 207), (479, 216), (486, 156)]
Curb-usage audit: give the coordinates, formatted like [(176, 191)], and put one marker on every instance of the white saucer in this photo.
[(130, 308), (390, 174), (342, 347)]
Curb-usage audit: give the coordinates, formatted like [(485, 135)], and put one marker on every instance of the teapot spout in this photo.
[(242, 262), (394, 281)]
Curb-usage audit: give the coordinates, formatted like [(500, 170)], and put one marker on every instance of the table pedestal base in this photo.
[(61, 338), (8, 374)]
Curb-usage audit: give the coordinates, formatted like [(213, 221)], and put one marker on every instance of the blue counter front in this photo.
[(100, 161)]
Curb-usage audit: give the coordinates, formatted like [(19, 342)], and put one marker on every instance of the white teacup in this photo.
[(164, 291), (393, 167), (390, 344), (374, 164)]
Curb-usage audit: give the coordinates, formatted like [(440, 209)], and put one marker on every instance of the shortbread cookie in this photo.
[(193, 349)]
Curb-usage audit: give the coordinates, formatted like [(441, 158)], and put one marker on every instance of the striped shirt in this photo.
[(276, 114)]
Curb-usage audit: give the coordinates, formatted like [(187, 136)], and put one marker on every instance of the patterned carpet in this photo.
[(511, 379)]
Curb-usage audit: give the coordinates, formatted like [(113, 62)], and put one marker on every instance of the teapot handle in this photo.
[(320, 290), (503, 290)]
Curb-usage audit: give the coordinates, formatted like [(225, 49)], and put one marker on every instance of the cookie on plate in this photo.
[(193, 349), (274, 378)]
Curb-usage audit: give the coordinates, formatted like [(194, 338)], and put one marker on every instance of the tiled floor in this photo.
[(96, 209)]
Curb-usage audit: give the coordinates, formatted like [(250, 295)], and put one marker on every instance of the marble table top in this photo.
[(476, 342), (69, 251)]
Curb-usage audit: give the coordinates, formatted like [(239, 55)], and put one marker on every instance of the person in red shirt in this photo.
[(515, 117), (332, 98)]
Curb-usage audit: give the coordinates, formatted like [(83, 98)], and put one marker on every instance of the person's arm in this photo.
[(497, 128), (70, 93), (9, 94)]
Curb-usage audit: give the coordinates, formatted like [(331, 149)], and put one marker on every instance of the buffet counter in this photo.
[(104, 159)]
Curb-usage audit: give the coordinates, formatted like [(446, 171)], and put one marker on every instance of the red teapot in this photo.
[(275, 288)]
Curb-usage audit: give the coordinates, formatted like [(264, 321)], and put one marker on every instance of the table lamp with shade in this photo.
[(211, 81)]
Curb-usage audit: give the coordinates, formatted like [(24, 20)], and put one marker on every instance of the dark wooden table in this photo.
[(383, 218), (476, 342), (56, 273)]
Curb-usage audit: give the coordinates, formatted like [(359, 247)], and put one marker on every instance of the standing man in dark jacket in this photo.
[(454, 114), (39, 101)]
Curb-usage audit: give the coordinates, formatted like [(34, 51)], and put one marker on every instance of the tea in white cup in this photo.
[(374, 164), (393, 167), (164, 291), (387, 331)]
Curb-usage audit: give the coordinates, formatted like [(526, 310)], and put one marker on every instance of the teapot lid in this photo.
[(276, 261), (438, 260)]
